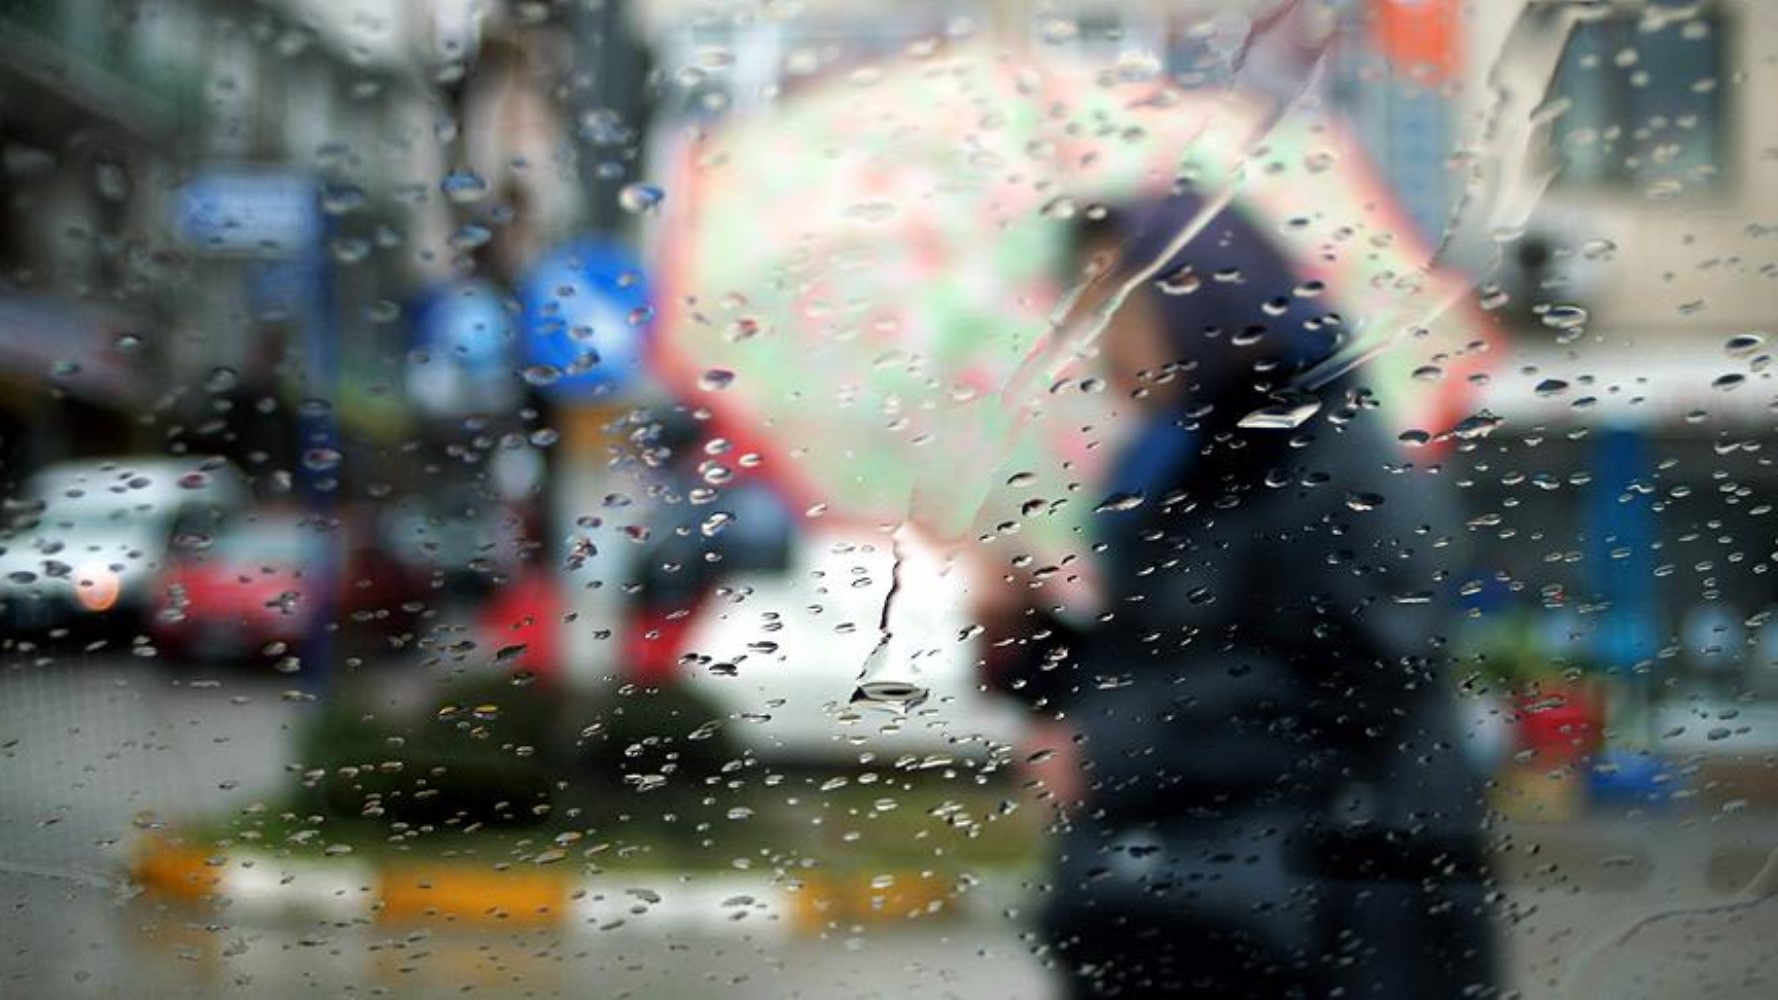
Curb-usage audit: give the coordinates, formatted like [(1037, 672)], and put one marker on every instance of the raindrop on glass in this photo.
[(1364, 501), (541, 375), (1743, 344), (463, 187), (1181, 282), (221, 379), (637, 198), (1284, 415), (901, 696), (1476, 427), (1564, 317), (1119, 502), (339, 199)]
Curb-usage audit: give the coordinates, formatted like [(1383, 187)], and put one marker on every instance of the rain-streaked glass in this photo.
[(1200, 497)]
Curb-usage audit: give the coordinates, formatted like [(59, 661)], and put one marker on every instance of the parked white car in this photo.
[(86, 540), (781, 653)]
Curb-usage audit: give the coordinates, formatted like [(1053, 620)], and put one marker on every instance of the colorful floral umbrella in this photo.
[(862, 281)]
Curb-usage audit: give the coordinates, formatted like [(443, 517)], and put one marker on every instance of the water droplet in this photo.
[(1364, 501), (1414, 438), (1551, 387), (1733, 380), (1181, 282), (339, 199), (1120, 502), (1599, 249), (1060, 208), (350, 250), (1055, 29), (128, 343), (1286, 414), (470, 236), (716, 379), (541, 375), (221, 379), (1565, 316), (1476, 427), (743, 328), (1743, 344), (637, 198), (878, 210), (1665, 189), (901, 696), (463, 187)]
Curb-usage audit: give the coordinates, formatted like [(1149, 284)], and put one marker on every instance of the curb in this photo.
[(262, 886)]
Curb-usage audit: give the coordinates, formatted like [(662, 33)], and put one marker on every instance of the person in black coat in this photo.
[(1254, 740)]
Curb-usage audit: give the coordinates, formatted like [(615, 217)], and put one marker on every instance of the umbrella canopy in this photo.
[(863, 281)]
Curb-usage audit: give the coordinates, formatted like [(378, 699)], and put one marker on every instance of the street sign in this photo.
[(586, 313), (463, 334), (243, 212)]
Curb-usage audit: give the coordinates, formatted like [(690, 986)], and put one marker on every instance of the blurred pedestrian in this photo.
[(1252, 743)]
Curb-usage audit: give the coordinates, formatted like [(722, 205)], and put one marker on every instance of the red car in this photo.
[(248, 589)]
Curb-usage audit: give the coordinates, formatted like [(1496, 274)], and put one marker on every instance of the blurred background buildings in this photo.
[(213, 205)]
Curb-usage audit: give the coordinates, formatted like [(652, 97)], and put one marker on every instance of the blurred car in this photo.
[(782, 652), (451, 537), (85, 541), (771, 623), (248, 589)]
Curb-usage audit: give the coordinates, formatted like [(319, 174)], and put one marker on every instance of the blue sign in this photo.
[(463, 332), (277, 214), (586, 311), (1621, 537)]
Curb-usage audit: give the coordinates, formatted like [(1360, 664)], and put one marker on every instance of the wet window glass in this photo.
[(1060, 499)]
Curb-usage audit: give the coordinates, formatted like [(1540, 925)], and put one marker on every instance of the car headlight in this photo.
[(96, 588)]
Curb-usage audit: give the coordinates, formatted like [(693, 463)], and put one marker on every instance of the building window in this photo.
[(1646, 102)]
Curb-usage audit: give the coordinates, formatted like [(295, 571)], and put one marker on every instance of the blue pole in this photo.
[(319, 460)]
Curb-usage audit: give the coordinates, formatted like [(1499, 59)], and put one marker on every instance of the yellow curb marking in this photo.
[(177, 870), (468, 896)]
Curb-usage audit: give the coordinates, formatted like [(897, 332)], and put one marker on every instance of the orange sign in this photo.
[(1420, 38)]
